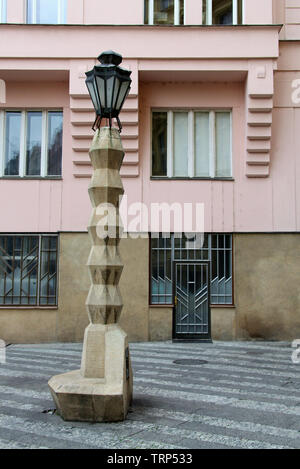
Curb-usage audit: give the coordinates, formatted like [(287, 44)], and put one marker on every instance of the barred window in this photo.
[(28, 270), (216, 248)]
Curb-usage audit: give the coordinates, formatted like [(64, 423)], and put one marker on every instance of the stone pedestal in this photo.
[(101, 391)]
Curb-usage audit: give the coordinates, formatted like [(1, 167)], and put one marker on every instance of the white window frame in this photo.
[(60, 16), (209, 12), (191, 143), (3, 11), (23, 141), (176, 12)]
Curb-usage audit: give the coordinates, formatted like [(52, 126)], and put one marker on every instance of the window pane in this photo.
[(55, 126), (12, 143), (63, 12), (34, 143), (30, 15), (161, 271), (3, 7), (48, 271), (18, 270), (163, 11), (223, 144), (181, 12), (204, 12), (180, 144), (240, 12), (221, 269), (221, 11), (146, 12), (159, 144), (46, 11), (202, 144)]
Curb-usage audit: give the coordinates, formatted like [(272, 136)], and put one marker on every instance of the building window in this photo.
[(3, 14), (191, 144), (46, 11), (222, 12), (217, 248), (164, 12), (28, 270), (32, 143)]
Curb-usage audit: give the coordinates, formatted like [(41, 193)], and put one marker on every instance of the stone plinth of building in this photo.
[(101, 391)]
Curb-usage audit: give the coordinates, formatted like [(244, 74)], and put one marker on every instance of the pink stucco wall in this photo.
[(238, 68)]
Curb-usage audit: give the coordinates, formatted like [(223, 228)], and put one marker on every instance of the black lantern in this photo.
[(108, 86)]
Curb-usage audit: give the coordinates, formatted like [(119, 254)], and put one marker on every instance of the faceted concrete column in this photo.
[(102, 389)]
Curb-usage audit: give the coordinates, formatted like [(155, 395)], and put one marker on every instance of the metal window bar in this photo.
[(21, 275)]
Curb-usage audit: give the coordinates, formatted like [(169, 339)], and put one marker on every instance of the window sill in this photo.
[(161, 306), (223, 306), (212, 306), (30, 178), (164, 178), (28, 307)]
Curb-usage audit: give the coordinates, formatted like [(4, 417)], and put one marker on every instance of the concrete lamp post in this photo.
[(101, 391)]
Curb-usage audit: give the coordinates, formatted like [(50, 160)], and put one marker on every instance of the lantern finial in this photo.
[(110, 57)]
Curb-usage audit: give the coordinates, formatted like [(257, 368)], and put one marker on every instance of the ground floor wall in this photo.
[(266, 295), (267, 287)]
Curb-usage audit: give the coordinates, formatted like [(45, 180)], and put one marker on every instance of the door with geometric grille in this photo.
[(191, 318)]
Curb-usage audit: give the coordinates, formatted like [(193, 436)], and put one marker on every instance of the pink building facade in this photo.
[(212, 118)]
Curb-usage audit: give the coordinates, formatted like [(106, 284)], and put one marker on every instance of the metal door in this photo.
[(191, 321)]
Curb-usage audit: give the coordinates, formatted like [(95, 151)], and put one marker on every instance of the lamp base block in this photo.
[(87, 399)]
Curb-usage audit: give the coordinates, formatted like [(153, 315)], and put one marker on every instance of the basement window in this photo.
[(165, 251), (28, 270)]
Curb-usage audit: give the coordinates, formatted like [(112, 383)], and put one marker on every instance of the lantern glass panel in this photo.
[(109, 91), (94, 96), (122, 94), (101, 91), (116, 91)]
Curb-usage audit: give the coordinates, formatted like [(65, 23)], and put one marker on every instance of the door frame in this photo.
[(197, 338)]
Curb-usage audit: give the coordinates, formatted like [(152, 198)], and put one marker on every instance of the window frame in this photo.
[(61, 12), (38, 305), (209, 260), (3, 11), (209, 13), (150, 13), (23, 139), (191, 144)]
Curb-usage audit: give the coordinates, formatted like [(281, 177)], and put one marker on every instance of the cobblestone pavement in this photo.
[(244, 395)]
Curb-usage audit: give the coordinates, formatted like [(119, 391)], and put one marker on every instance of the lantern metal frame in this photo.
[(108, 95)]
